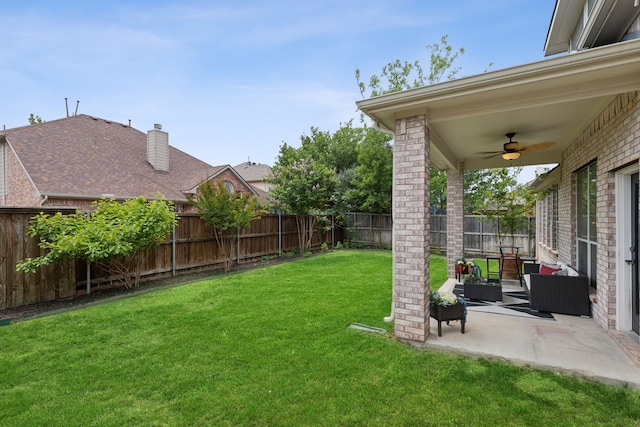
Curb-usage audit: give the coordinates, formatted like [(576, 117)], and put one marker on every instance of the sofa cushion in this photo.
[(548, 270), (553, 266), (570, 271)]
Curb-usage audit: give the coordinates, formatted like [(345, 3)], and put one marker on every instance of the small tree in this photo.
[(34, 120), (113, 235), (302, 187), (507, 204), (226, 214)]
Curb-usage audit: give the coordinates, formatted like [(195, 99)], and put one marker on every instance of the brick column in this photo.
[(455, 217), (411, 229)]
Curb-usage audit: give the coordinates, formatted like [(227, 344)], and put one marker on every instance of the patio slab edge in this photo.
[(527, 363)]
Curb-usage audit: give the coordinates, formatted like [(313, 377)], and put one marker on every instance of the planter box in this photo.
[(445, 314), (483, 291)]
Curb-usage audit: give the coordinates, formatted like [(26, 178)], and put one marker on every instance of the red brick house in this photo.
[(79, 159), (587, 104)]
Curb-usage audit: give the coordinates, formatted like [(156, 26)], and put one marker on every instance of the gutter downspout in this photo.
[(390, 318), (44, 199)]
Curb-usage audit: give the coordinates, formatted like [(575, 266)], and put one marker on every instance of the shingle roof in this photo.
[(252, 172), (88, 156)]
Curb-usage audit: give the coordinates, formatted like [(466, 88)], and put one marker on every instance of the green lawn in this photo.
[(271, 347)]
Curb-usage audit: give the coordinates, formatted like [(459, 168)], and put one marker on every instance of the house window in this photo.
[(586, 232), (548, 219), (229, 187)]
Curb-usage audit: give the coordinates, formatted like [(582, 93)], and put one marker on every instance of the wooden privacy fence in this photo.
[(480, 236), (192, 247)]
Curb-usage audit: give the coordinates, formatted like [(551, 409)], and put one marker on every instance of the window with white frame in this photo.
[(547, 221), (586, 237)]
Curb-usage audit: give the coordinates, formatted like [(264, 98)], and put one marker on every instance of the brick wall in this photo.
[(613, 139), (238, 184), (455, 217), (20, 190), (411, 229)]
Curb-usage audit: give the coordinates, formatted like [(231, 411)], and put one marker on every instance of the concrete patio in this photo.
[(570, 345)]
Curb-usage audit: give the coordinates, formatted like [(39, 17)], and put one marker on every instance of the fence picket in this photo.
[(480, 236), (191, 247)]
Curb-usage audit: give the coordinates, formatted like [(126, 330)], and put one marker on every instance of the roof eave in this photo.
[(582, 70)]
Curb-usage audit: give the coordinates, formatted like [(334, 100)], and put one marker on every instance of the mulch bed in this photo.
[(101, 293)]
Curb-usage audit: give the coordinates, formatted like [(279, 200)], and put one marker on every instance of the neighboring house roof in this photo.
[(263, 196), (253, 172), (217, 173), (88, 157)]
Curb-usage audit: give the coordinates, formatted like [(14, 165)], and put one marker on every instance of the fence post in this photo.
[(279, 234), (88, 277), (309, 233), (173, 251), (238, 247), (481, 236), (333, 230)]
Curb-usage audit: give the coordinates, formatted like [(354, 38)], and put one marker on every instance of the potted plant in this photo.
[(446, 306), (464, 266)]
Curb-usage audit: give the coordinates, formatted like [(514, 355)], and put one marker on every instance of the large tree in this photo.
[(370, 185), (401, 75), (475, 184), (226, 214), (336, 151)]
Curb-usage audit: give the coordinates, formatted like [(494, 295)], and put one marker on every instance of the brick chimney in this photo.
[(158, 148)]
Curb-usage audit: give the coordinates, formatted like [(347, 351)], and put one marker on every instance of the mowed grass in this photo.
[(272, 347)]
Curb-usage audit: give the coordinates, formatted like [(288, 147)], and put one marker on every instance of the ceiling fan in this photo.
[(512, 149)]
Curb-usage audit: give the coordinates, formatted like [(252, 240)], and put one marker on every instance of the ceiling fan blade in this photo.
[(489, 152), (495, 154), (535, 147)]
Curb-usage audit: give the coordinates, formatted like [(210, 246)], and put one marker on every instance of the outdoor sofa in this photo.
[(563, 291)]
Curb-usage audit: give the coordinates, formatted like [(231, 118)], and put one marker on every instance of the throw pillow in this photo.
[(548, 270), (563, 272), (554, 266)]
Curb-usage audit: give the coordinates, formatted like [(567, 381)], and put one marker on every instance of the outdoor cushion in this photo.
[(570, 271), (553, 266), (548, 270), (563, 272)]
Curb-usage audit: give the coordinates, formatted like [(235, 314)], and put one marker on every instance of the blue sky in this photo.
[(232, 80)]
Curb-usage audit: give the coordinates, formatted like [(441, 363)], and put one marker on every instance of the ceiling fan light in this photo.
[(511, 156)]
